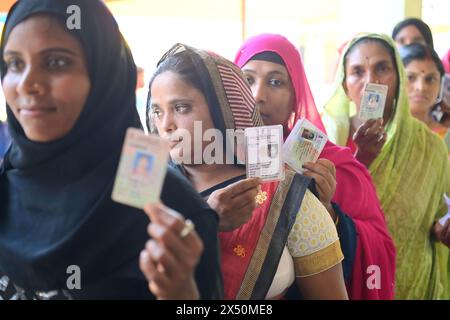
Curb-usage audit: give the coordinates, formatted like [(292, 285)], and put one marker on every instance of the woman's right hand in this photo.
[(370, 138), (235, 203)]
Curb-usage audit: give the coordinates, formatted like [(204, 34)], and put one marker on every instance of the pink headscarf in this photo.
[(275, 43), (446, 62), (355, 193)]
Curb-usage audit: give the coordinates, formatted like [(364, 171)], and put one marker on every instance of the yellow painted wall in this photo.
[(413, 8)]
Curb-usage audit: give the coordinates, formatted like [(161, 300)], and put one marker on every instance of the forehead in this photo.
[(39, 31), (169, 84), (369, 52), (265, 67), (409, 30), (422, 65)]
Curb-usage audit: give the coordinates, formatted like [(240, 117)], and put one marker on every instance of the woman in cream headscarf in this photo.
[(408, 163)]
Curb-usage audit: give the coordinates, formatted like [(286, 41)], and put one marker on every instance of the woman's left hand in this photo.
[(169, 259), (324, 173), (442, 233)]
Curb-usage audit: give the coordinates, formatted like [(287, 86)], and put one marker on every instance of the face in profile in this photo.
[(423, 86), (272, 89), (369, 62), (175, 106), (46, 84)]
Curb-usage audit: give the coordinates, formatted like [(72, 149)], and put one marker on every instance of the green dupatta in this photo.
[(411, 175)]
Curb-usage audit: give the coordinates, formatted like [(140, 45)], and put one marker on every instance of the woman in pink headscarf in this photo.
[(276, 75)]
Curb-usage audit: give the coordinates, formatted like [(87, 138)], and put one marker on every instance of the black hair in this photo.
[(423, 28), (269, 56), (418, 51), (180, 64)]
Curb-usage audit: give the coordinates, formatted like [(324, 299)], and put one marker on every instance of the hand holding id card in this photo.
[(445, 90), (304, 144), (373, 101), (438, 112), (142, 169), (263, 152), (444, 219)]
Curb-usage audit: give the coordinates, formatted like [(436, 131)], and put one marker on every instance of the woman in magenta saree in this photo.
[(361, 225)]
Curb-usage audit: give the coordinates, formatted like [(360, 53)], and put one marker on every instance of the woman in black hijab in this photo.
[(70, 98)]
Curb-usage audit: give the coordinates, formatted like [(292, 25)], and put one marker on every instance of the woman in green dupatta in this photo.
[(407, 161), (290, 233)]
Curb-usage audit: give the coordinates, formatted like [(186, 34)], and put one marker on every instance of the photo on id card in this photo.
[(373, 101), (304, 144), (263, 153), (141, 170)]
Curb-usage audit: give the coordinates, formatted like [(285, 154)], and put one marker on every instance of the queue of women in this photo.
[(359, 223)]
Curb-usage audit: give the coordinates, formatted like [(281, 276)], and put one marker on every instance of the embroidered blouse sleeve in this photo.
[(313, 241)]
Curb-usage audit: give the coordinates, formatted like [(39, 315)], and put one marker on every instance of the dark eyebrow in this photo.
[(355, 66), (276, 72), (383, 62), (248, 70), (174, 101), (45, 51), (11, 53), (361, 65), (58, 50), (271, 73)]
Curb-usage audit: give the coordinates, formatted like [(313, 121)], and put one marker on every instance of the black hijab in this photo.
[(55, 197)]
